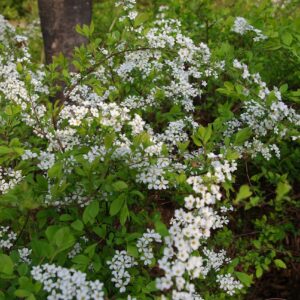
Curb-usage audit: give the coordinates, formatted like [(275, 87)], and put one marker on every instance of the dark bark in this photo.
[(58, 21)]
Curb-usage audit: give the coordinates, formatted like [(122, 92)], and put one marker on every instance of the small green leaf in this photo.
[(55, 170), (90, 212), (100, 231), (119, 186), (92, 28), (108, 140), (63, 238), (232, 155), (5, 150), (203, 135), (77, 225), (22, 293), (150, 287), (6, 265), (259, 271), (196, 141), (244, 278), (282, 189), (242, 136), (138, 194), (12, 110), (124, 214), (243, 193), (81, 260), (65, 218), (161, 228), (141, 18), (116, 205), (280, 264), (287, 38), (90, 250), (132, 250)]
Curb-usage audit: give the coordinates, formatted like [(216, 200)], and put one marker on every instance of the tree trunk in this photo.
[(58, 21)]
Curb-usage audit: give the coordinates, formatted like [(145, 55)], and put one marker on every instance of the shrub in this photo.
[(123, 188)]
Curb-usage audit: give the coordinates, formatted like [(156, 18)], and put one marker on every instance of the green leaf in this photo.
[(117, 204), (12, 110), (228, 85), (287, 38), (50, 232), (19, 67), (244, 278), (119, 186), (77, 225), (205, 133), (108, 140), (141, 18), (22, 293), (6, 265), (138, 194), (161, 228), (41, 248), (124, 214), (65, 218), (196, 141), (92, 28), (5, 150), (63, 238), (243, 193), (22, 269), (81, 260), (90, 212), (150, 287), (232, 155), (55, 170), (242, 136), (90, 250), (181, 178), (280, 264), (282, 189), (259, 271), (31, 297), (100, 231), (132, 250), (18, 150)]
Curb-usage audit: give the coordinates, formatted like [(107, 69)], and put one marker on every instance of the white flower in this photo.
[(7, 237), (119, 264), (229, 284), (68, 283), (24, 254), (9, 178)]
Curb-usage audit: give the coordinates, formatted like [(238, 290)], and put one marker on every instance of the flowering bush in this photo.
[(117, 189)]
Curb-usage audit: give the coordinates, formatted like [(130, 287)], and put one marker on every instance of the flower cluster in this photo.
[(144, 245), (242, 26), (77, 196), (128, 6), (7, 237), (62, 283), (191, 228), (95, 152), (228, 283), (119, 265), (265, 114), (9, 178), (24, 254), (77, 248)]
